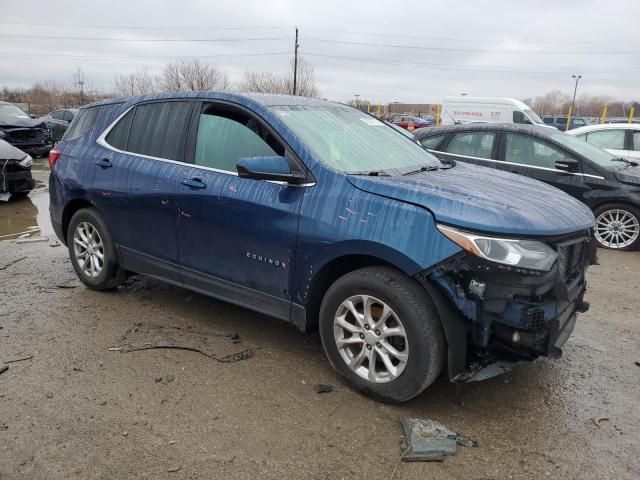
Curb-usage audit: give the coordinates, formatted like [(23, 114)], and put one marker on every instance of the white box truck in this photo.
[(487, 110)]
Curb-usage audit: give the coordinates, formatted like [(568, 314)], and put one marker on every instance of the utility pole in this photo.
[(573, 101), (295, 64), (357, 102), (81, 83)]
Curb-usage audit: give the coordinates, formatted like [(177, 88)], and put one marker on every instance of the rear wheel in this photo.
[(618, 227), (381, 331), (92, 252)]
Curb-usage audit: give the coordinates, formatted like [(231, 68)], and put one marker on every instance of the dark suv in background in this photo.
[(609, 185), (23, 132), (560, 122)]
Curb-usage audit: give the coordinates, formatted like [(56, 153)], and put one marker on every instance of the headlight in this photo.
[(26, 162), (517, 253)]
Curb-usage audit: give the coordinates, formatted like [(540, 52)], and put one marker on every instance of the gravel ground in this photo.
[(77, 404)]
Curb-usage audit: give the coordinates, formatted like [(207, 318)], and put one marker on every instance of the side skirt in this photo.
[(211, 286)]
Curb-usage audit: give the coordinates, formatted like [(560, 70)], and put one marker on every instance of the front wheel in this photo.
[(381, 331), (617, 227)]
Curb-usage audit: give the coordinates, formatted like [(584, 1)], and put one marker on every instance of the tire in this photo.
[(617, 227), (85, 224), (411, 308)]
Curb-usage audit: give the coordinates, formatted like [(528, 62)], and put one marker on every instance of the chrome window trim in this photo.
[(520, 165), (102, 141)]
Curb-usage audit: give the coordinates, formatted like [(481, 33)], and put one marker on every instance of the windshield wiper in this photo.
[(625, 160), (373, 173), (424, 168)]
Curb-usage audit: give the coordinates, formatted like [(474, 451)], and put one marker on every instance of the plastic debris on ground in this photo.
[(430, 441)]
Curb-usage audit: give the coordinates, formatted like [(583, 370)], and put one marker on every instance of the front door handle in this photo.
[(194, 183), (104, 163)]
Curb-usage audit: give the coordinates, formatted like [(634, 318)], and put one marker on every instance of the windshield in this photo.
[(533, 116), (593, 153), (11, 112), (353, 142)]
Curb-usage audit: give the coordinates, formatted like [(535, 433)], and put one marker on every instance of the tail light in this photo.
[(53, 157)]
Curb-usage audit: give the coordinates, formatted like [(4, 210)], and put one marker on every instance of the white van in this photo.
[(487, 110)]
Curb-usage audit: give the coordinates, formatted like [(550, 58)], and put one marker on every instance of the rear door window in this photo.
[(224, 138), (636, 141), (527, 150), (160, 129), (472, 144), (613, 139), (431, 142)]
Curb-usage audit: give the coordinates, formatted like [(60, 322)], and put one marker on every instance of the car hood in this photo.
[(485, 200), (9, 152), (628, 174), (22, 123)]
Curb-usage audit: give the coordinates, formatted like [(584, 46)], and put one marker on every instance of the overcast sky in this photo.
[(383, 51)]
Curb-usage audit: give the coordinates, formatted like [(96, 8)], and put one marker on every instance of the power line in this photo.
[(136, 27), (470, 68), (479, 50), (165, 57), (469, 40), (107, 39)]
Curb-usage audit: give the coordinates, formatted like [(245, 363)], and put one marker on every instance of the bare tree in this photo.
[(78, 80), (268, 82), (139, 82), (263, 82), (306, 82), (193, 75)]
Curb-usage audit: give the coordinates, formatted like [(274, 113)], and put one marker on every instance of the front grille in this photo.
[(26, 136), (572, 258), (533, 318)]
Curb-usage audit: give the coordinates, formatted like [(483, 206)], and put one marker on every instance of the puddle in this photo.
[(25, 215)]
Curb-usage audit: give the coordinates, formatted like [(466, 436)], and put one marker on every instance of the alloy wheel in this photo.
[(617, 228), (88, 249), (371, 338)]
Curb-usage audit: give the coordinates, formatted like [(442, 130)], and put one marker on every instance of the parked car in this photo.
[(461, 110), (607, 184), (560, 122), (619, 139), (22, 131), (58, 121), (403, 131), (15, 170), (409, 122), (323, 216)]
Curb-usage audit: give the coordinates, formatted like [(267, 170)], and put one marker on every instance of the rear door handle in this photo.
[(194, 183), (104, 163)]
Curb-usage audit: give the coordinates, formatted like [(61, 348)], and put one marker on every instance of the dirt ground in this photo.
[(78, 404)]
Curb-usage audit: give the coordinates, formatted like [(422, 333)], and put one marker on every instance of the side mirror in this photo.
[(31, 115), (273, 168), (568, 165)]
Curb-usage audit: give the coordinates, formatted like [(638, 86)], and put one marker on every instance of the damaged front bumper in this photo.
[(496, 316)]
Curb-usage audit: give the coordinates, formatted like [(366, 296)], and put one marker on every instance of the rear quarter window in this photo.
[(87, 119)]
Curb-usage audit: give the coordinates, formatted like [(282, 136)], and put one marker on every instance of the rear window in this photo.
[(86, 119), (160, 129)]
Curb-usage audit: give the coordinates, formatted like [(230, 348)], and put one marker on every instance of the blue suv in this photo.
[(325, 217)]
